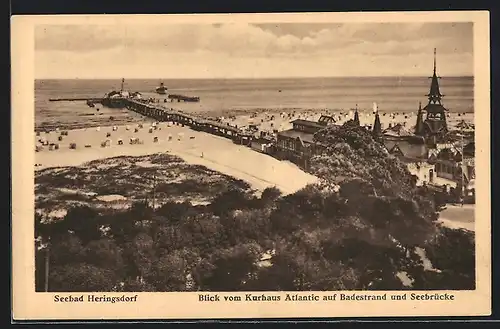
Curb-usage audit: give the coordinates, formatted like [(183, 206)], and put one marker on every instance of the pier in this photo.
[(163, 114), (94, 100), (181, 98)]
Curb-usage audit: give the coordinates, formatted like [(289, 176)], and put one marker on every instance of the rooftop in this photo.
[(308, 123), (434, 108), (397, 131), (304, 136), (406, 149)]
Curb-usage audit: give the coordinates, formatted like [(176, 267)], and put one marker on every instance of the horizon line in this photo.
[(259, 78)]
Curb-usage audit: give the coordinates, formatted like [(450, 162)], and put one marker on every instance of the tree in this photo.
[(229, 200), (452, 251), (67, 250), (106, 254), (173, 270), (270, 194), (82, 277), (175, 211), (84, 222), (229, 269)]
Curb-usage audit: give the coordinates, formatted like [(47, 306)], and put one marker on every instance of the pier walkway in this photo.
[(161, 113)]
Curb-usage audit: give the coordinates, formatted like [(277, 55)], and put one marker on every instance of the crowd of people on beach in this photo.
[(47, 142)]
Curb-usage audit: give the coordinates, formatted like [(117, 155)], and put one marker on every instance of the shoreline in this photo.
[(238, 112)]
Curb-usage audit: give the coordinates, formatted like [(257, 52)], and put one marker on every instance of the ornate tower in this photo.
[(435, 122)]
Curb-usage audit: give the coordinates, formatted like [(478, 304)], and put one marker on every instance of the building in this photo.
[(298, 144), (404, 144), (263, 143), (434, 126), (455, 167)]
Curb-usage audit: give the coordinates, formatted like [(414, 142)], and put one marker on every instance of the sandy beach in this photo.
[(279, 119), (214, 152)]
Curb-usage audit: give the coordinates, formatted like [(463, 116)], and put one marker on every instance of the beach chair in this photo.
[(72, 146), (88, 145), (51, 147)]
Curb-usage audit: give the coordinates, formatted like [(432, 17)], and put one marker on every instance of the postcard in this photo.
[(216, 166)]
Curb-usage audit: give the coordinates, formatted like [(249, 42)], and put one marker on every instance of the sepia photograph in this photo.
[(255, 157)]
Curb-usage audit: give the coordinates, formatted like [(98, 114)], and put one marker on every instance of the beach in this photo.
[(269, 120), (198, 148)]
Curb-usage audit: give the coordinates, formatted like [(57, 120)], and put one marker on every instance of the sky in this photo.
[(241, 50)]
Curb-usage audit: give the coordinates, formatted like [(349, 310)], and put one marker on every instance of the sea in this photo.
[(400, 94)]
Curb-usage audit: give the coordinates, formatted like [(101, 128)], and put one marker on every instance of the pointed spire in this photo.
[(434, 92), (419, 126), (356, 116), (434, 61), (377, 126)]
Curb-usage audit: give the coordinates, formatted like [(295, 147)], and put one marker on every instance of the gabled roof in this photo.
[(304, 136), (449, 154), (396, 150), (406, 149), (308, 123), (326, 119), (465, 125), (397, 131)]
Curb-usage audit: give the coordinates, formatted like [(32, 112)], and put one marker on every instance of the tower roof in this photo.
[(377, 127), (434, 92)]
